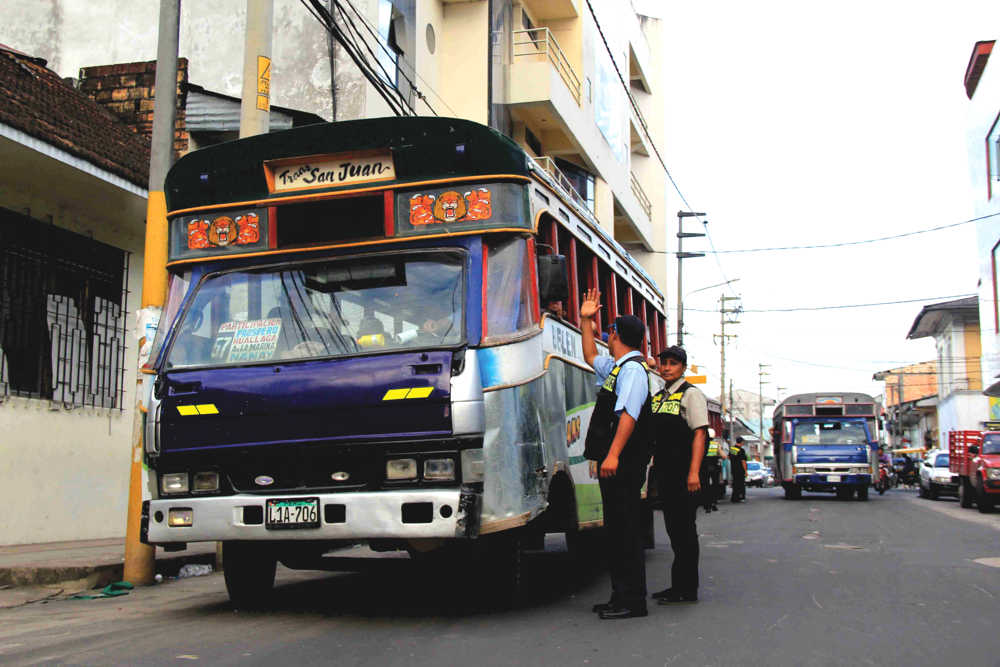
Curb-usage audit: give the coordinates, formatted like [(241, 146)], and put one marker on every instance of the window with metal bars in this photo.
[(62, 314)]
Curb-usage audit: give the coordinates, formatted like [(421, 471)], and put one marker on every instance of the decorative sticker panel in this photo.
[(218, 233), (461, 207)]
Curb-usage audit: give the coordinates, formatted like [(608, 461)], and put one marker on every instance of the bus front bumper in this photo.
[(432, 513), (820, 481)]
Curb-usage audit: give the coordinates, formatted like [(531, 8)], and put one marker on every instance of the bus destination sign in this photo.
[(324, 171)]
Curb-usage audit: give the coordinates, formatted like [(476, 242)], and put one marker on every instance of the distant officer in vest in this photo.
[(738, 459), (680, 432), (711, 469), (619, 452)]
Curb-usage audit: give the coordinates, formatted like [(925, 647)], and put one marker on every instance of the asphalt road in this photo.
[(896, 580)]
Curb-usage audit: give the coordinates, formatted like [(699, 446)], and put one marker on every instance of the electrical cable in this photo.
[(838, 307), (385, 48), (842, 244)]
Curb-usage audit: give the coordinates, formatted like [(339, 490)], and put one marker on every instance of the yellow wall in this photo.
[(973, 351), (463, 55)]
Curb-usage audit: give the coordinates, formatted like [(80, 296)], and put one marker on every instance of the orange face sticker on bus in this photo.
[(450, 207), (223, 231)]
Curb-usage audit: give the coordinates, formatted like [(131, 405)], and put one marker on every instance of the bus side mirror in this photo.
[(553, 279)]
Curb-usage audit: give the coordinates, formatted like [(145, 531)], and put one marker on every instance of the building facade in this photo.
[(954, 325), (72, 224), (982, 87)]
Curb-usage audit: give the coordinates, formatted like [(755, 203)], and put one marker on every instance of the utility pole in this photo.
[(761, 373), (140, 559), (681, 255), (255, 107), (732, 417), (722, 336)]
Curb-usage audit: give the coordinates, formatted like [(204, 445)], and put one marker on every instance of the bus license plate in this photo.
[(290, 513), (833, 478)]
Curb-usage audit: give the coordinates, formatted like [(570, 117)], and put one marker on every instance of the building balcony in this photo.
[(537, 54), (640, 196), (544, 92), (544, 10)]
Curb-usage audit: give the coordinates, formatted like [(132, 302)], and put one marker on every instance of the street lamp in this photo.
[(681, 255)]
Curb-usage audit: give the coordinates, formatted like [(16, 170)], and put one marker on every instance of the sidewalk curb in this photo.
[(98, 574)]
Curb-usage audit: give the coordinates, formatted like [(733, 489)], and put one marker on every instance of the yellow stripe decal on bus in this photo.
[(207, 409), (187, 410), (407, 392)]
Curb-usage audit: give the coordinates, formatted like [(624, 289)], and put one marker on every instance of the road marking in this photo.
[(846, 547), (983, 590), (988, 562), (777, 623), (811, 536), (816, 601), (188, 657)]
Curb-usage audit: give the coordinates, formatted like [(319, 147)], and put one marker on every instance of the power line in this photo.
[(842, 244), (838, 307)]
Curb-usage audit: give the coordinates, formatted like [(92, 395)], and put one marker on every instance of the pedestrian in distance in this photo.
[(680, 432), (618, 449), (738, 460), (711, 469)]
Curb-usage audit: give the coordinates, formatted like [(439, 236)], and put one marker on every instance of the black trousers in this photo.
[(679, 511), (711, 482), (739, 486), (622, 502)]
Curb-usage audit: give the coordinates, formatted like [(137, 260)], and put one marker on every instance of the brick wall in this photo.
[(129, 91)]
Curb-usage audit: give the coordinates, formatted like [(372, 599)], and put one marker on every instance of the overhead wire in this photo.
[(841, 244), (837, 307)]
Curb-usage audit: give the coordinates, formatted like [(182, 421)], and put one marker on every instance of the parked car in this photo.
[(756, 473), (936, 478)]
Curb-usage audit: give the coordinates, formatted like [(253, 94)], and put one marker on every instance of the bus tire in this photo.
[(793, 492), (503, 560), (984, 502), (862, 493), (964, 493), (249, 573)]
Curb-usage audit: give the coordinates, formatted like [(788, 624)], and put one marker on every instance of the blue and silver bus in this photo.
[(829, 442), (371, 335)]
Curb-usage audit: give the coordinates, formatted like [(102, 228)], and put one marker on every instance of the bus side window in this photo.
[(508, 297)]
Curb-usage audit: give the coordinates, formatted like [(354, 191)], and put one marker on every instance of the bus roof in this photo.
[(827, 402), (423, 148)]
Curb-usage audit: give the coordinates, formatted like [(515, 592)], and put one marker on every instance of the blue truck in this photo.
[(828, 443)]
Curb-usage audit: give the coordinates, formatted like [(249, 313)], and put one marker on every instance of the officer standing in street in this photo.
[(618, 450), (680, 431), (711, 469), (738, 459)]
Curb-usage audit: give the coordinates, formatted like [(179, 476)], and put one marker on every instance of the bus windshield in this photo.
[(323, 309), (830, 433)]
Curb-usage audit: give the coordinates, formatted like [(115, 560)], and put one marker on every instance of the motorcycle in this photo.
[(884, 479)]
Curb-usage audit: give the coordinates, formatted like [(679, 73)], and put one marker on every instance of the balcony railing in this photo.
[(640, 194), (559, 179), (539, 43)]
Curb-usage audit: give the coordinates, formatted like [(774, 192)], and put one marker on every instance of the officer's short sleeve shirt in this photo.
[(632, 387), (694, 405)]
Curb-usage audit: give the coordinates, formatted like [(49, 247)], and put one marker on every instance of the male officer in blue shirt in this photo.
[(618, 448)]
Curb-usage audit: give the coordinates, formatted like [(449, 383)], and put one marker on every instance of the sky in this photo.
[(794, 123)]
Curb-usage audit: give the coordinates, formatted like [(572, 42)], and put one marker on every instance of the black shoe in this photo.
[(602, 606), (715, 508), (614, 613), (669, 596), (659, 595)]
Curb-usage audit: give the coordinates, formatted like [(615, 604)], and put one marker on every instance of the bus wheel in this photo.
[(844, 493), (862, 493), (249, 572), (984, 502), (793, 492)]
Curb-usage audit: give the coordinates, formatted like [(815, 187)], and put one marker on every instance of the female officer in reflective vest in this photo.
[(679, 427)]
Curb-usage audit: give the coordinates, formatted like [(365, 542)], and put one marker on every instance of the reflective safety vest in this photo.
[(713, 448), (604, 423)]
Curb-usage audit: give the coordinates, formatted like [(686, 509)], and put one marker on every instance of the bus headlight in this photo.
[(174, 482), (439, 470), (473, 465), (993, 473), (401, 469), (205, 482)]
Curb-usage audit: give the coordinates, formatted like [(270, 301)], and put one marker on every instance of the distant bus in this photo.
[(829, 442), (361, 344)]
